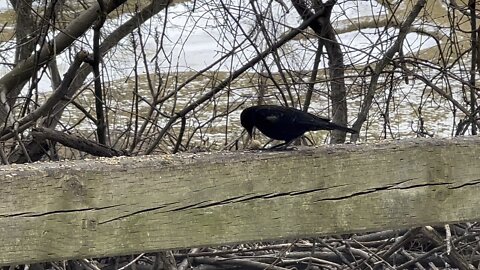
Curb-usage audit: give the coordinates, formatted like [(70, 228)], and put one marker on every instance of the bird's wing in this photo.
[(312, 120), (320, 117), (270, 116)]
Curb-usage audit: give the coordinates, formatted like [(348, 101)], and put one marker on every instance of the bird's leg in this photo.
[(282, 146)]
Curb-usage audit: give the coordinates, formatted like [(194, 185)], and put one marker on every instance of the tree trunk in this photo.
[(324, 30), (108, 43)]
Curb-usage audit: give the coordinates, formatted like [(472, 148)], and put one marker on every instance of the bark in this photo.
[(473, 68), (76, 142), (24, 30), (99, 108)]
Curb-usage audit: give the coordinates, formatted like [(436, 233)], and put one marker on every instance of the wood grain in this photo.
[(94, 208)]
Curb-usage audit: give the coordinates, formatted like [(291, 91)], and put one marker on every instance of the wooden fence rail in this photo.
[(94, 208)]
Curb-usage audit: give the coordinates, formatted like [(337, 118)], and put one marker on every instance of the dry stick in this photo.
[(407, 255), (155, 95), (22, 146), (313, 76), (277, 258), (433, 250), (378, 244), (100, 121), (241, 262), (312, 259), (131, 262), (152, 107), (235, 250), (276, 58), (280, 255), (439, 90), (56, 96), (76, 142), (108, 43), (180, 136), (369, 255), (337, 252), (88, 264), (336, 68), (156, 262), (419, 258), (383, 235), (361, 245), (362, 254), (400, 242), (365, 257), (473, 62), (199, 73), (168, 260), (455, 257), (432, 266), (290, 35), (77, 27), (265, 65), (3, 157), (47, 22), (404, 30), (186, 262)]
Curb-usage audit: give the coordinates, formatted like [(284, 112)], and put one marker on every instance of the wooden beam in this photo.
[(94, 208)]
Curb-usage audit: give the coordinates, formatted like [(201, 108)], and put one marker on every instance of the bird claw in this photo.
[(282, 147), (293, 148)]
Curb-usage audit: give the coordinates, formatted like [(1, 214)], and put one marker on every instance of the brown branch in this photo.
[(77, 27), (287, 37), (238, 262), (400, 242), (324, 30), (404, 30), (100, 122), (46, 107), (75, 142), (456, 258)]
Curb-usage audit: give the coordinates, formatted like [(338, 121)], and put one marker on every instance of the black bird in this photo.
[(284, 123)]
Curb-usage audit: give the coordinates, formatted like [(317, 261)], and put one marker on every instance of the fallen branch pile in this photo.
[(455, 246)]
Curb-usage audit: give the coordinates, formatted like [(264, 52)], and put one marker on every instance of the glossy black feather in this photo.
[(285, 123)]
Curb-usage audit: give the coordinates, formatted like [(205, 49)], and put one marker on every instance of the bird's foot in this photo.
[(293, 148), (282, 147)]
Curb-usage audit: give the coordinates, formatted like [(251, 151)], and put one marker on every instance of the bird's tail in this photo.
[(333, 126)]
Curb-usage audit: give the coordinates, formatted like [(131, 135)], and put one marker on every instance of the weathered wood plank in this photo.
[(52, 211)]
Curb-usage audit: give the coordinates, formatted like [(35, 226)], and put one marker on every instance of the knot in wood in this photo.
[(89, 224), (74, 186)]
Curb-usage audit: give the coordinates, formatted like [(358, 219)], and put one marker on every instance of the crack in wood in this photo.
[(137, 212), (368, 191), (15, 214), (34, 214), (207, 204), (250, 197), (388, 187), (245, 198), (423, 185), (470, 183)]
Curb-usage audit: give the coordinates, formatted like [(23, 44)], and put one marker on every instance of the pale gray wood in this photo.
[(93, 208)]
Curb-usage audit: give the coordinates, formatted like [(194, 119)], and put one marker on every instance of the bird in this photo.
[(284, 123)]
